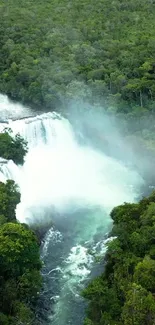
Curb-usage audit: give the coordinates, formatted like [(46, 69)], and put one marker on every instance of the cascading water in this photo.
[(76, 186)]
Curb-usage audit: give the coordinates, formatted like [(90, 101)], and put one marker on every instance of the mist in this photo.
[(111, 133)]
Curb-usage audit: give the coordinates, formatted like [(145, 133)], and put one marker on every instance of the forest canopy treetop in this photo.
[(47, 46)]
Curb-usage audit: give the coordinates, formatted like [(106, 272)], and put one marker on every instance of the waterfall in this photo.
[(61, 173), (82, 185)]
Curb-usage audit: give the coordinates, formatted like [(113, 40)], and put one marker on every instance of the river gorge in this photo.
[(71, 186)]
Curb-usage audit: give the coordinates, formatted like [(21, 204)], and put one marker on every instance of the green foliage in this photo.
[(4, 319), (88, 322), (139, 308), (2, 219), (20, 269), (18, 250), (13, 148), (148, 217), (145, 274), (9, 198), (24, 315), (46, 49), (20, 278), (122, 213), (124, 293)]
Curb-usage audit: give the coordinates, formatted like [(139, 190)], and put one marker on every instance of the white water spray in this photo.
[(59, 172)]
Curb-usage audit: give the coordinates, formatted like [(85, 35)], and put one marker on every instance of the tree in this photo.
[(145, 274), (88, 321), (29, 284), (148, 218), (13, 148), (20, 278), (18, 149), (4, 319), (18, 250), (124, 293), (125, 212), (9, 198), (139, 308), (24, 315), (103, 300)]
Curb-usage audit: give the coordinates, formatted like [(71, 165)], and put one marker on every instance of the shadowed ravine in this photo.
[(74, 186)]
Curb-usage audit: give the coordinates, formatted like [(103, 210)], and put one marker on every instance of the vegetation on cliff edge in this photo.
[(124, 293), (20, 278)]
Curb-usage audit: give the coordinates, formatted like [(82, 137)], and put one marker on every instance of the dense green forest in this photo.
[(124, 294), (20, 278), (53, 51)]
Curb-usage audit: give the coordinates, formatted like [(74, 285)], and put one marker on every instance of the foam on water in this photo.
[(78, 262), (52, 235)]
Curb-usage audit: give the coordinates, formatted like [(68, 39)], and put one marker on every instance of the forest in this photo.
[(55, 51), (20, 265), (124, 293)]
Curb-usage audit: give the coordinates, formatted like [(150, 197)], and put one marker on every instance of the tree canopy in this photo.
[(14, 148), (20, 278), (52, 50), (124, 293), (9, 198)]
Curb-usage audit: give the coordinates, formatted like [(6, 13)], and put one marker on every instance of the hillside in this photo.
[(52, 51)]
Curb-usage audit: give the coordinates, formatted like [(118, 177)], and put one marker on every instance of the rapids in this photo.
[(74, 186)]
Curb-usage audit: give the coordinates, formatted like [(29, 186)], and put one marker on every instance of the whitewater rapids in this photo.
[(81, 185)]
